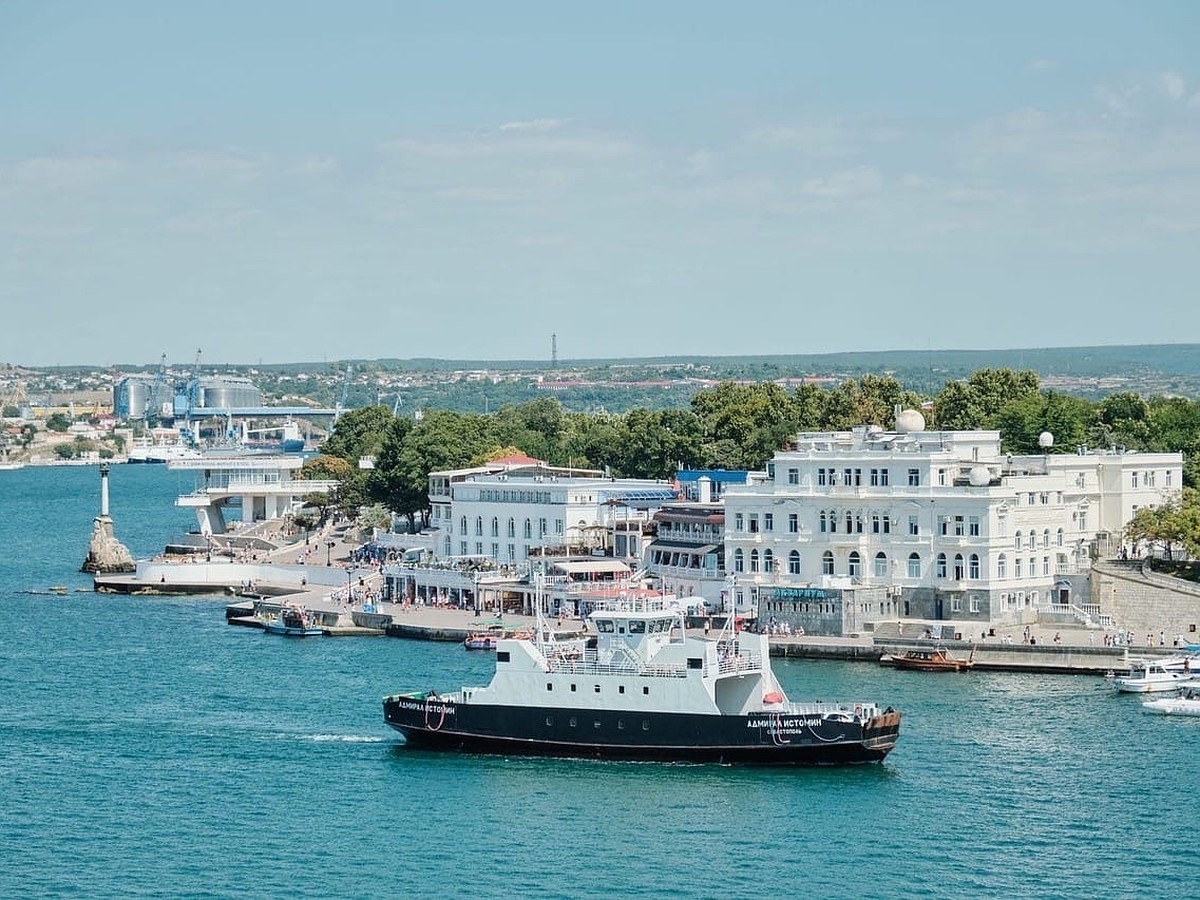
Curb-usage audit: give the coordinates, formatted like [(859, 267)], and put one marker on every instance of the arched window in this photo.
[(941, 565), (462, 525), (849, 522), (1017, 541), (974, 566), (827, 562), (512, 528), (880, 565), (753, 560), (1002, 566), (855, 564), (495, 527), (824, 524), (914, 565), (447, 548), (1046, 538), (794, 562), (528, 528), (479, 526), (1060, 537), (768, 561), (959, 570), (1016, 567), (739, 560), (833, 520)]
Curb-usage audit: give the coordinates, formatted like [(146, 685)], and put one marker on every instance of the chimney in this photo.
[(705, 485)]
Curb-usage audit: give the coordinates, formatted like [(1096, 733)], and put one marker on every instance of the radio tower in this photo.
[(554, 350)]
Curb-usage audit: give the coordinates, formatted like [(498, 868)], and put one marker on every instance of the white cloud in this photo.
[(534, 125), (1041, 64), (847, 183), (1174, 85), (814, 139)]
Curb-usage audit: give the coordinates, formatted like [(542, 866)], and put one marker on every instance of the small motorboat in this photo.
[(928, 659), (481, 640), (1186, 704), (1151, 676), (293, 622)]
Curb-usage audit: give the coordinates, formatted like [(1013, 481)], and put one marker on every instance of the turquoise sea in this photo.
[(146, 748)]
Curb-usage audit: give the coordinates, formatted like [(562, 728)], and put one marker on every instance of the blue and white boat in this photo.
[(293, 622)]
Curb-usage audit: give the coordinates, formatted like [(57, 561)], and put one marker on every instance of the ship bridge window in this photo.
[(637, 627), (695, 662), (549, 686), (604, 626), (502, 656)]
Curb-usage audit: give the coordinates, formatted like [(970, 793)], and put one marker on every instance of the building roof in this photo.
[(577, 567), (673, 546)]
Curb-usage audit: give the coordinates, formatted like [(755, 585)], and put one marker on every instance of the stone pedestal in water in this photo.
[(106, 555)]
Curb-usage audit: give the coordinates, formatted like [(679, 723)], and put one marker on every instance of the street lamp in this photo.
[(328, 550)]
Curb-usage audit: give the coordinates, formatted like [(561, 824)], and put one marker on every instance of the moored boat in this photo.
[(641, 688), (1150, 676), (929, 659), (292, 622), (1186, 704)]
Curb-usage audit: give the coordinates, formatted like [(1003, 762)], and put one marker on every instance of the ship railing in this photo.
[(862, 709), (739, 663), (584, 667)]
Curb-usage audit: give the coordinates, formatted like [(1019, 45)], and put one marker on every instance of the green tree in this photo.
[(58, 422), (358, 433)]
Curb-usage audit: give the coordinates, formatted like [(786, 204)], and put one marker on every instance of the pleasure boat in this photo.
[(292, 622), (641, 688), (1186, 704), (1150, 676), (929, 659)]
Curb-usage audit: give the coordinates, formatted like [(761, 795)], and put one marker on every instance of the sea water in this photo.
[(147, 748)]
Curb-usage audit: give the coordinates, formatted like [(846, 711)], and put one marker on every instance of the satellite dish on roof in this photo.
[(1045, 440), (910, 421)]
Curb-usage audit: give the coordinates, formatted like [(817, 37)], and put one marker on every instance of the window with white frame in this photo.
[(881, 565), (753, 560), (973, 526), (973, 567), (793, 523), (794, 562), (793, 476), (914, 477), (956, 604), (768, 521), (914, 526), (940, 566), (974, 604), (739, 522), (855, 564), (1002, 566), (739, 560), (768, 561), (827, 562), (914, 565)]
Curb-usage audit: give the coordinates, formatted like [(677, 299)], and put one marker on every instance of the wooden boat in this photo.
[(929, 659)]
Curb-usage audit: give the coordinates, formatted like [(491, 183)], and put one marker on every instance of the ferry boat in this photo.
[(641, 688)]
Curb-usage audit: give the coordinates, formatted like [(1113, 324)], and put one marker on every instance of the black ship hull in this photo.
[(761, 738)]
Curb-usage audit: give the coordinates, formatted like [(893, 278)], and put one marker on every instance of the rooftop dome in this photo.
[(979, 476), (910, 421)]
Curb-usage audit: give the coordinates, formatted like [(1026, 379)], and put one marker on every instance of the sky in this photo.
[(302, 181)]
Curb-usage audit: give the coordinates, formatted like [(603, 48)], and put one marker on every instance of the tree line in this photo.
[(731, 426)]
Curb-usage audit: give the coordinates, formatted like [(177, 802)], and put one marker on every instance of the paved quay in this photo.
[(343, 599)]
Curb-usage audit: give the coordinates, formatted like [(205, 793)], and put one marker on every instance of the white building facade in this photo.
[(534, 510), (856, 527)]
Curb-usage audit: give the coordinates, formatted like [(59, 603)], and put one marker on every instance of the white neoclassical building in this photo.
[(855, 527), (516, 508)]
